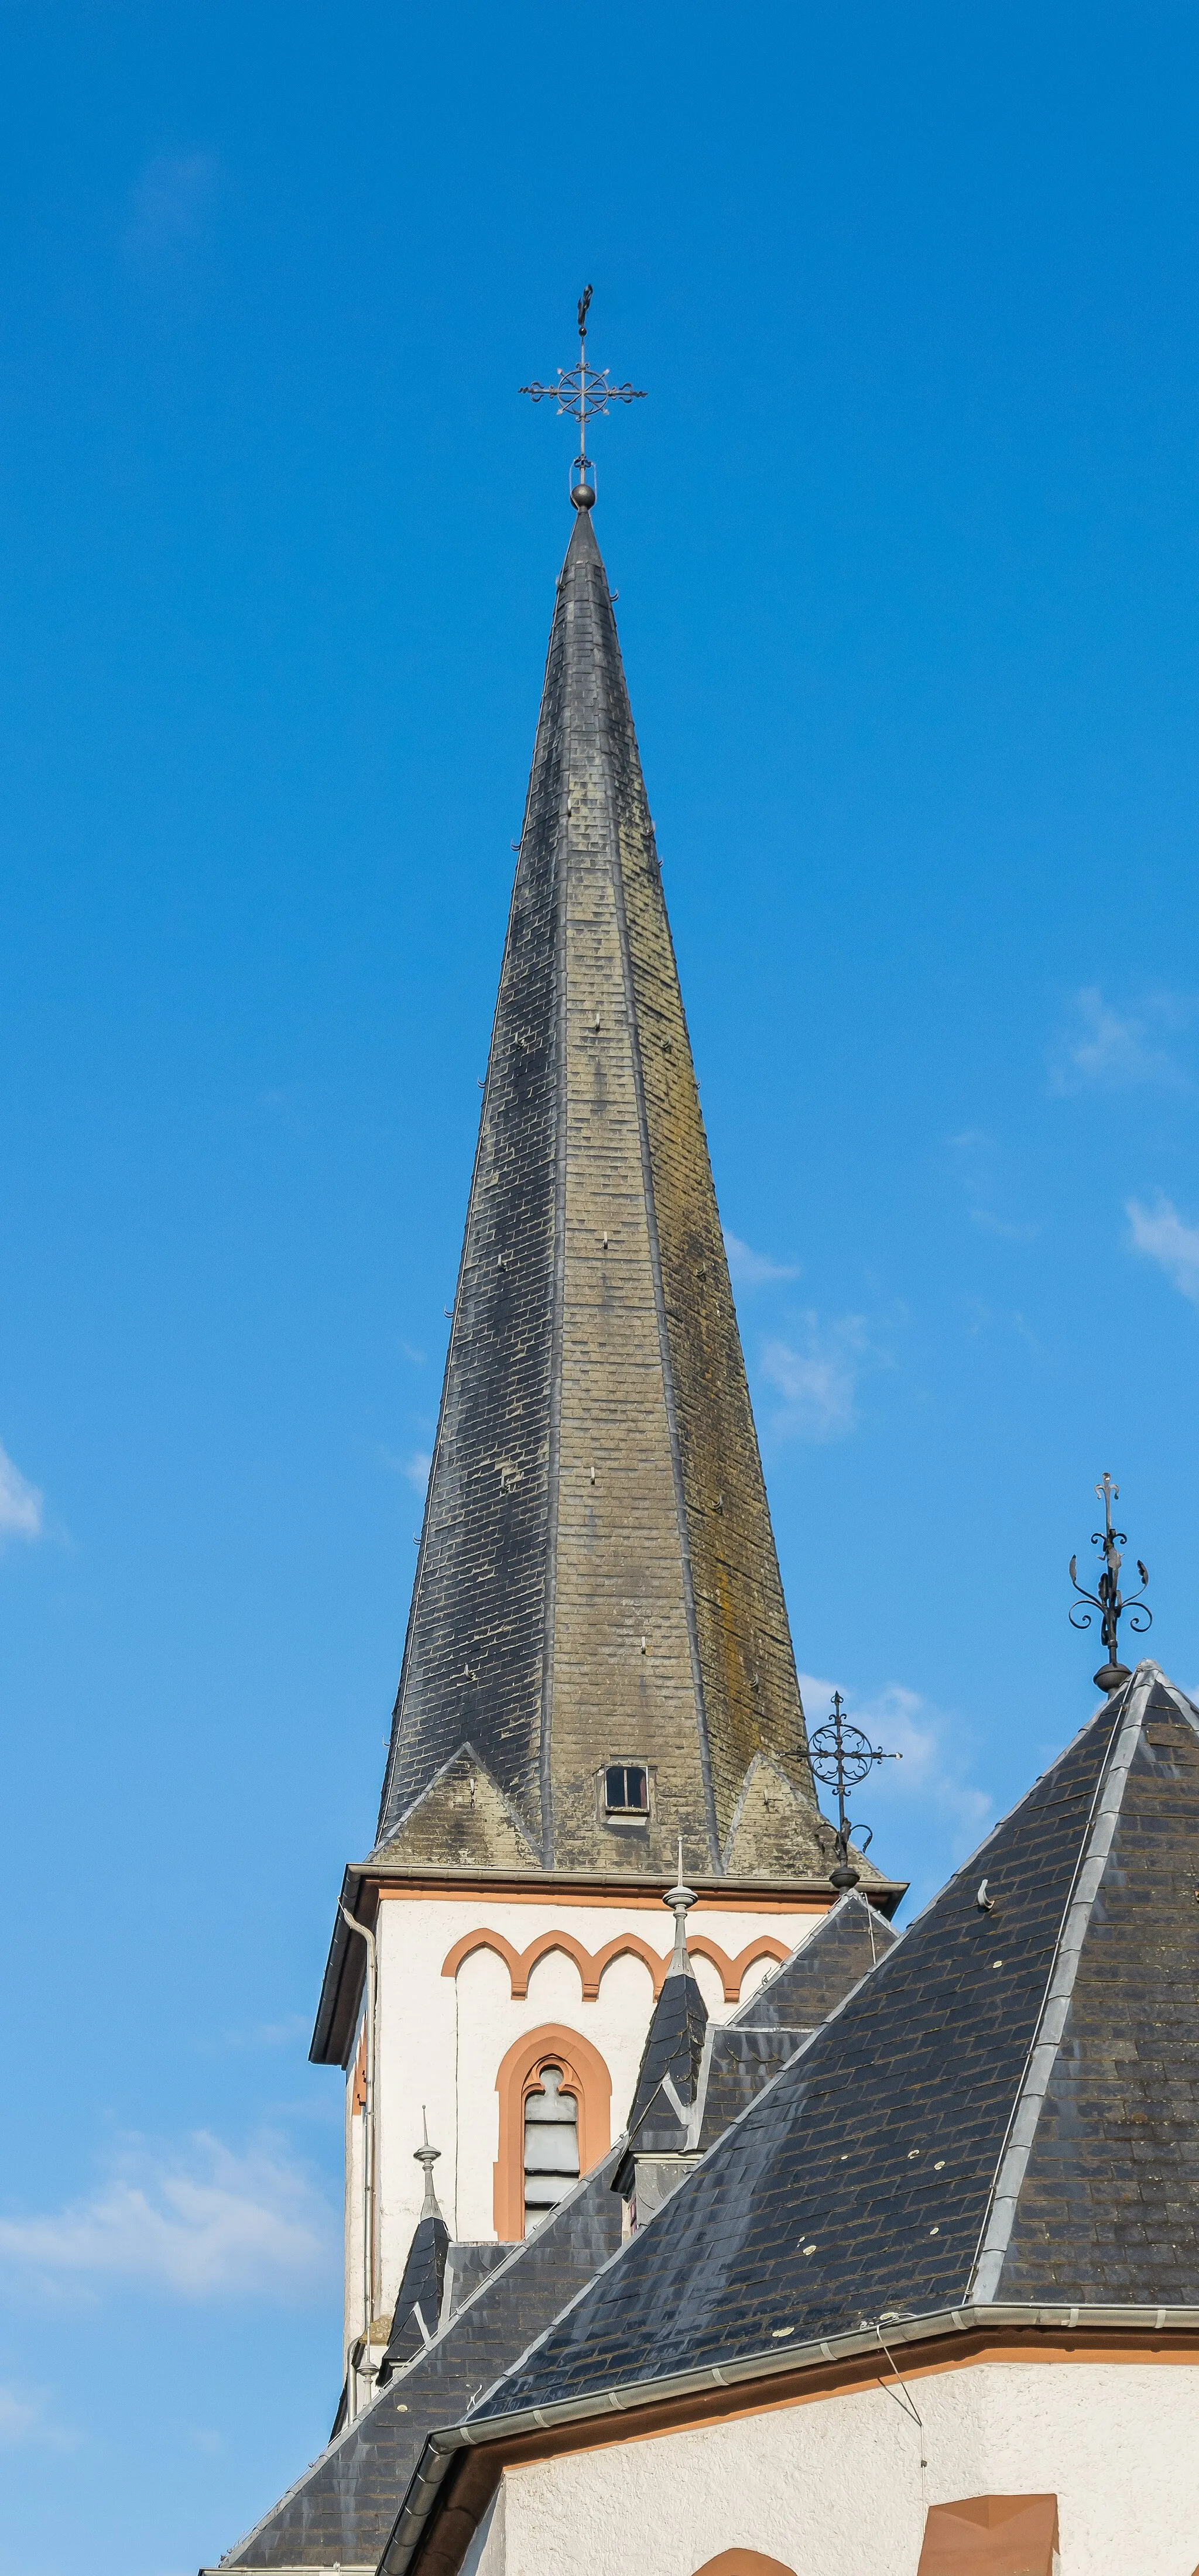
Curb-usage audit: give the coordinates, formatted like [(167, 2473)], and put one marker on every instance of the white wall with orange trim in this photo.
[(441, 2040), (834, 2487)]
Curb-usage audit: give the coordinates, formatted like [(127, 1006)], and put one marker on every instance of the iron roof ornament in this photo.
[(1107, 1598), (841, 1756), (583, 393)]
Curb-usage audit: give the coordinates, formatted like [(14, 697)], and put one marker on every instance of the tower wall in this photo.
[(471, 1984)]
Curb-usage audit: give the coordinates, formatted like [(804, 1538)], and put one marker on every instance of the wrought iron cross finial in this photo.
[(841, 1756), (1107, 1597), (582, 393)]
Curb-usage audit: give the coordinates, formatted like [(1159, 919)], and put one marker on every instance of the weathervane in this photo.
[(1108, 1599), (841, 1756), (582, 393)]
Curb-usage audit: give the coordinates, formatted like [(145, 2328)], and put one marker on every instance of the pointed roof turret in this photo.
[(597, 1582), (418, 2304), (667, 2086)]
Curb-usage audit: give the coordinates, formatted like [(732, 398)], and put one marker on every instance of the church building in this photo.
[(696, 2222)]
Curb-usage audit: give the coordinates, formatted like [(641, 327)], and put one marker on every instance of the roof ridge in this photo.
[(879, 1966), (1107, 1799), (906, 1929)]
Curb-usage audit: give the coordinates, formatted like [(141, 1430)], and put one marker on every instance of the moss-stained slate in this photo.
[(597, 1578)]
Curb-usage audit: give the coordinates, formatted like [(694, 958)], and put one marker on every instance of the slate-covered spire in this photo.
[(597, 1581)]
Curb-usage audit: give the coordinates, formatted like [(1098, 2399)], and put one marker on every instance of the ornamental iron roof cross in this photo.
[(841, 1756), (1107, 1597), (583, 393)]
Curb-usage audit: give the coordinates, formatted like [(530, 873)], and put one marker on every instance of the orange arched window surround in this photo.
[(591, 1964), (743, 2562), (584, 2074)]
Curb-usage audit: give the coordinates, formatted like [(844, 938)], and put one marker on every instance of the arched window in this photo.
[(551, 2144), (568, 2129)]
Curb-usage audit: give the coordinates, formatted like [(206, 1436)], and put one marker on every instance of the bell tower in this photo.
[(598, 1659)]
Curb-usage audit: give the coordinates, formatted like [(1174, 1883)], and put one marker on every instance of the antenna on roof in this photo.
[(1107, 1598), (841, 1756), (582, 393)]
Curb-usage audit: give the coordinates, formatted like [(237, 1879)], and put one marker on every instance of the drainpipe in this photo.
[(368, 2166)]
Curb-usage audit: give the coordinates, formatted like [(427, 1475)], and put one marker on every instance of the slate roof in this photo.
[(1005, 2110), (342, 2509), (420, 2286), (594, 1336), (471, 2261), (737, 2063), (497, 2298), (809, 1985), (717, 2068), (742, 2054)]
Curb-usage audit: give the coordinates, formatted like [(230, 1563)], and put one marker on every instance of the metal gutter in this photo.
[(330, 2045), (444, 2446)]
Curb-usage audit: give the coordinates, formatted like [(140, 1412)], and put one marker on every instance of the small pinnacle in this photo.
[(680, 1899), (427, 2156)]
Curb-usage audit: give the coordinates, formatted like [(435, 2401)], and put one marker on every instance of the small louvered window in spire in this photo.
[(551, 2146), (626, 1789)]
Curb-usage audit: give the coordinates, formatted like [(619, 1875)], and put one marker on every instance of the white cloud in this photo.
[(1159, 1231), (18, 2419), (983, 1168), (1111, 1050), (414, 1468), (818, 1377), (20, 1502), (23, 2420), (198, 2221), (168, 206), (752, 1269)]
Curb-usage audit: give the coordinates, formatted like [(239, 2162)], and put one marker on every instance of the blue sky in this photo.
[(905, 538)]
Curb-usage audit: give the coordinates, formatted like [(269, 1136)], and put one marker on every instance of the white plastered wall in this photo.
[(441, 2041), (834, 2486)]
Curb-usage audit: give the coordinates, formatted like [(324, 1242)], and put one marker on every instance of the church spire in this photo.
[(597, 1595)]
